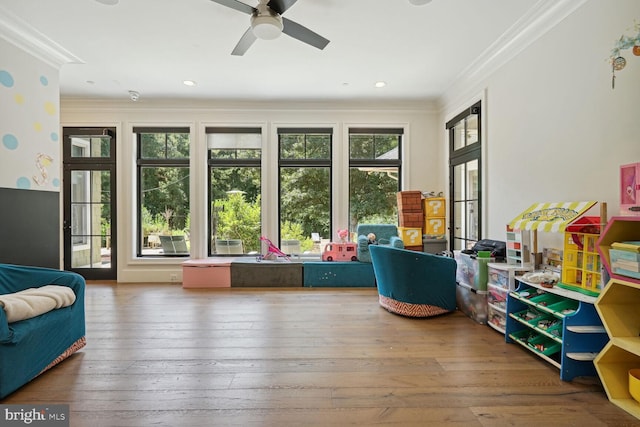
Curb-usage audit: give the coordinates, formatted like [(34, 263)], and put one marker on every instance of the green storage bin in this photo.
[(546, 299), (523, 335), (544, 345), (530, 315), (564, 307)]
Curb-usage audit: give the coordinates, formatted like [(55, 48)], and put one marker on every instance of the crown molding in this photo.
[(541, 18), (22, 35)]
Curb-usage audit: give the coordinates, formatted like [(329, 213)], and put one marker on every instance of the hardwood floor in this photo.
[(163, 355)]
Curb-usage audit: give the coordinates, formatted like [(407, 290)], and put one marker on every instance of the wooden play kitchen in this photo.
[(558, 323)]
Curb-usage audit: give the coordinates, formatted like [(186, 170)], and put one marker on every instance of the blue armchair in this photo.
[(386, 235), (414, 284), (31, 346)]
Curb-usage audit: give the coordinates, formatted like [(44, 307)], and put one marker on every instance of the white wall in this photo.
[(29, 118), (423, 168), (555, 130)]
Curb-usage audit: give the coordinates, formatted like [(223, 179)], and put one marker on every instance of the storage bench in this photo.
[(206, 273), (339, 274)]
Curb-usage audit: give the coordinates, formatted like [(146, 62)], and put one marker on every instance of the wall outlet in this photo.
[(173, 277)]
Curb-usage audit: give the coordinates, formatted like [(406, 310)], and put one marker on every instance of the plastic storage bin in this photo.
[(472, 302), (472, 270)]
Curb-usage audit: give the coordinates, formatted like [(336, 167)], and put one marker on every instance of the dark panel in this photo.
[(30, 227)]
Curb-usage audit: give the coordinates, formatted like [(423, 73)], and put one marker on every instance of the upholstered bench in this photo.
[(206, 273), (339, 274), (251, 273)]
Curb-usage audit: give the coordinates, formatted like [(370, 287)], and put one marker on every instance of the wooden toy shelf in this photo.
[(574, 337), (619, 308)]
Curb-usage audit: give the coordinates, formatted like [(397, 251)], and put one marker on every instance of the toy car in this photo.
[(340, 252)]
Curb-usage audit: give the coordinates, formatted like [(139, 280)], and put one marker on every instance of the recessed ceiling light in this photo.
[(189, 83), (419, 2), (380, 84), (109, 2)]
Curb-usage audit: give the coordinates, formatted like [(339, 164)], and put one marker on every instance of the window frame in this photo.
[(229, 163), (304, 163), (374, 163), (141, 163)]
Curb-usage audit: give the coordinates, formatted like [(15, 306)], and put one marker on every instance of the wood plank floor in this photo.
[(163, 355)]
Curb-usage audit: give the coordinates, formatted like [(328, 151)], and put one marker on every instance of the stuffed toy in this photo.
[(371, 239)]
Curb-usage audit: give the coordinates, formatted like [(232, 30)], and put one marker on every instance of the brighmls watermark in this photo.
[(34, 415)]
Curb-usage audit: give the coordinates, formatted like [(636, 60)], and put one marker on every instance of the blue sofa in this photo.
[(30, 347), (414, 284), (386, 235)]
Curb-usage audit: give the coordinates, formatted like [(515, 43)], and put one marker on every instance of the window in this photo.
[(464, 170), (234, 204), (374, 175), (163, 191), (304, 188)]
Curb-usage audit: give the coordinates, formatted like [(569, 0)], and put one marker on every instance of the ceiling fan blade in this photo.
[(237, 5), (280, 6), (303, 34), (245, 43)]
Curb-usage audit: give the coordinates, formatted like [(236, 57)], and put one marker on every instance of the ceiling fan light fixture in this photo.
[(266, 27)]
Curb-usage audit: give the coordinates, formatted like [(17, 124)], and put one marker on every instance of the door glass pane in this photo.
[(90, 219), (465, 199), (91, 146), (472, 129), (458, 135)]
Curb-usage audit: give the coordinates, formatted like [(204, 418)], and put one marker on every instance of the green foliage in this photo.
[(236, 218), (293, 230), (372, 196), (305, 199)]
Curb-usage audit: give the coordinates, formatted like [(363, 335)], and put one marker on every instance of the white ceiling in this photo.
[(151, 46)]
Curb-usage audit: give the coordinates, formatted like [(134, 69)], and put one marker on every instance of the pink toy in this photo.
[(630, 189), (272, 250), (343, 235), (340, 252)]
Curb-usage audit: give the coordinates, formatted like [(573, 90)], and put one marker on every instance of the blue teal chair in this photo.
[(386, 235), (414, 284), (29, 347)]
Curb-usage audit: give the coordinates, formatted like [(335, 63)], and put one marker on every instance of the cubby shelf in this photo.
[(618, 229), (619, 308)]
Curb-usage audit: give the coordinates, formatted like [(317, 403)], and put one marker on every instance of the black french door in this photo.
[(89, 184)]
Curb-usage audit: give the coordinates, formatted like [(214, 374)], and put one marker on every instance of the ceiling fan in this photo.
[(268, 23)]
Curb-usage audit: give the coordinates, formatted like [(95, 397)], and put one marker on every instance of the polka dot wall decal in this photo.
[(55, 182), (37, 126), (50, 108), (10, 141), (54, 136), (6, 79), (23, 183), (19, 98), (44, 80)]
